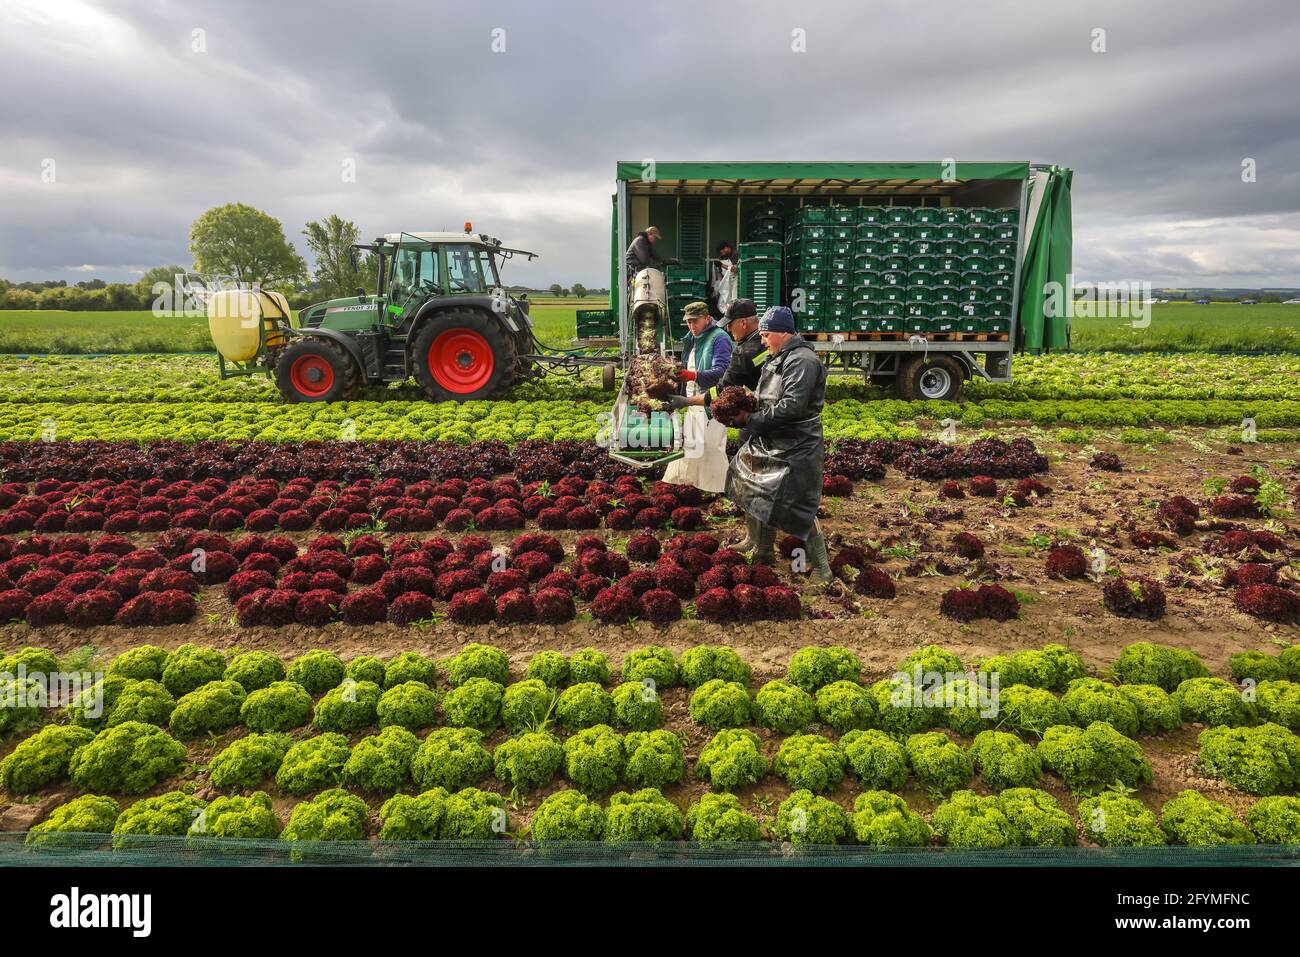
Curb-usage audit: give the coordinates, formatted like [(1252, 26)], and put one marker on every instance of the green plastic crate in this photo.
[(997, 310), (946, 294), (949, 247), (866, 277), (871, 231), (872, 214), (836, 324), (945, 324), (865, 307), (813, 215), (999, 280), (971, 294), (1004, 264), (596, 323), (802, 231), (839, 264), (839, 295), (687, 272), (926, 231), (769, 250), (893, 278), (978, 231), (861, 324), (868, 263), (972, 279), (1002, 247), (1009, 215), (842, 247), (947, 263), (927, 214), (1004, 231), (920, 277), (947, 278), (978, 215), (844, 214), (976, 247), (952, 231), (897, 247), (887, 323), (772, 230), (839, 280), (920, 294), (897, 263), (975, 264), (803, 263), (951, 214), (801, 246), (891, 310), (760, 280), (969, 323), (922, 247), (680, 288), (946, 310), (844, 231), (898, 230), (869, 247), (997, 294), (996, 325), (923, 263), (642, 433), (896, 292), (899, 215)]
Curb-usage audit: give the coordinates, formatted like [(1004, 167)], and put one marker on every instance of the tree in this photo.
[(579, 290), (556, 289), (330, 242), (247, 244)]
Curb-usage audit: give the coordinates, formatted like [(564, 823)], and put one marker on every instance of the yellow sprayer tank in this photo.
[(234, 318)]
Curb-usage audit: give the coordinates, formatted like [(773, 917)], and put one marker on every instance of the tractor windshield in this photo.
[(414, 275), (470, 269)]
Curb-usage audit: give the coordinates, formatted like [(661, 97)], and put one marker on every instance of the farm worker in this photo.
[(741, 323), (776, 477), (724, 278), (641, 253), (706, 351)]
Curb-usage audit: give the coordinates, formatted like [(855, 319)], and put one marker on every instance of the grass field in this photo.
[(1174, 327)]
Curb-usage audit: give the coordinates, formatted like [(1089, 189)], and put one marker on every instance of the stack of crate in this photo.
[(765, 223), (596, 324), (686, 283), (819, 267), (934, 269), (760, 273)]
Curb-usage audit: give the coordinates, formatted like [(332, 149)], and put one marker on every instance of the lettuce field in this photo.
[(1065, 615)]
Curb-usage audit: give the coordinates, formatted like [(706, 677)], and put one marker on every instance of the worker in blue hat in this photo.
[(776, 477)]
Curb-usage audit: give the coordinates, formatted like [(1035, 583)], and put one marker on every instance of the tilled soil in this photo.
[(912, 525)]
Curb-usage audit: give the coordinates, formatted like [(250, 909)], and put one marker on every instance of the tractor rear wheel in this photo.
[(314, 369), (931, 378), (463, 354)]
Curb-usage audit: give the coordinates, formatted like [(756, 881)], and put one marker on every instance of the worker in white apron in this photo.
[(706, 352)]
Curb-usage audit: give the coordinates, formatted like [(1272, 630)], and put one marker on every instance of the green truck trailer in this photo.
[(916, 275)]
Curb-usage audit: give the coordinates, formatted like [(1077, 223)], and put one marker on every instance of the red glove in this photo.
[(686, 375), (740, 418)]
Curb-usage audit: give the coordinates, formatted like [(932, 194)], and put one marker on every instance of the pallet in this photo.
[(905, 336)]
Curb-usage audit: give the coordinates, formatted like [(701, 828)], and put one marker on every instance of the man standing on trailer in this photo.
[(641, 252), (776, 477), (706, 355)]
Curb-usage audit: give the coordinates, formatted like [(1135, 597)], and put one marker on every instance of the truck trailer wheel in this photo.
[(607, 376), (930, 378), (463, 354), (314, 369)]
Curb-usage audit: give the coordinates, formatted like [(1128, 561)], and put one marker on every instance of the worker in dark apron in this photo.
[(776, 477)]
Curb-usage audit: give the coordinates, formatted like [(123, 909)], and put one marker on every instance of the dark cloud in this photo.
[(147, 134)]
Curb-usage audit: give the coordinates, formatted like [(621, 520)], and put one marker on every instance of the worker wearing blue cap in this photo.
[(776, 477)]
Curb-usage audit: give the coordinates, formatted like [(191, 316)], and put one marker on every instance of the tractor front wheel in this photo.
[(463, 354), (314, 369)]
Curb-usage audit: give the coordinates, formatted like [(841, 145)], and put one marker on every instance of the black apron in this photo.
[(776, 477)]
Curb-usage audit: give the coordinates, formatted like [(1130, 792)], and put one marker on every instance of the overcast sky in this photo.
[(149, 123)]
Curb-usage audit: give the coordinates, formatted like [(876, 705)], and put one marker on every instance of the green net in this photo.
[(100, 850)]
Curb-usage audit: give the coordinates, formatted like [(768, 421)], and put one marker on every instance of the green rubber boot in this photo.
[(750, 541), (820, 561), (765, 552)]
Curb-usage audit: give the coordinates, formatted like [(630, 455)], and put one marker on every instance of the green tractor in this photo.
[(438, 313)]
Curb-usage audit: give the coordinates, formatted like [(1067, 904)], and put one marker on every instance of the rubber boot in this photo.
[(765, 552), (820, 561), (750, 541)]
